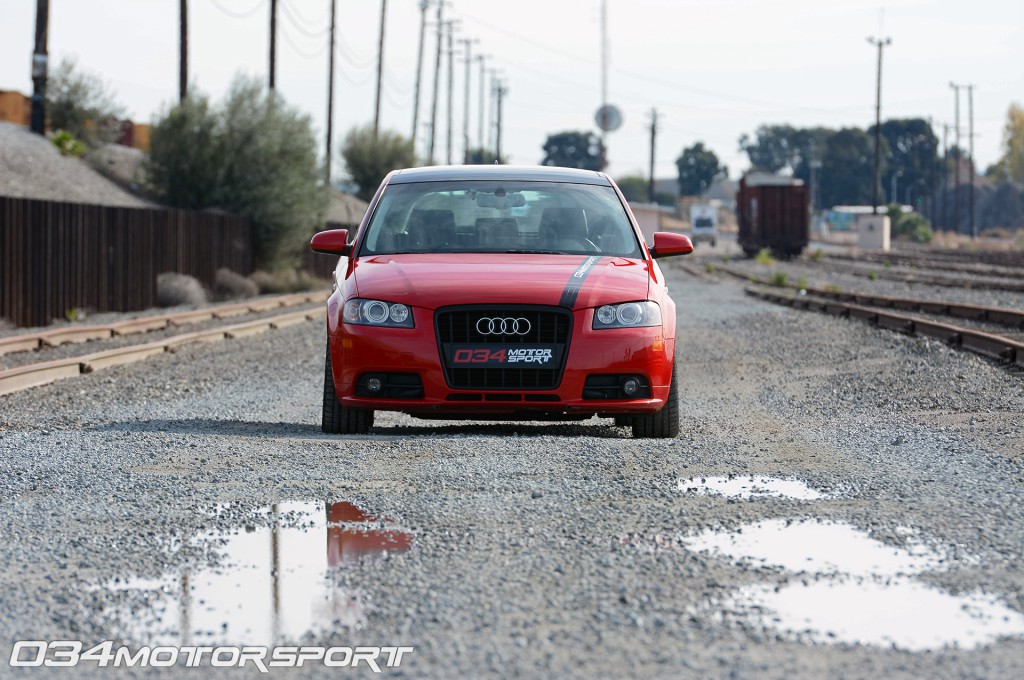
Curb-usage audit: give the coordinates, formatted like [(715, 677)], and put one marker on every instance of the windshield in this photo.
[(500, 217)]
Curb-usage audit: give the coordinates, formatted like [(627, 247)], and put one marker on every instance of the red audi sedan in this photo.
[(500, 292)]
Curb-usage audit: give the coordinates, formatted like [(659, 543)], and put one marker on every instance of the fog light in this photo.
[(374, 384), (630, 386)]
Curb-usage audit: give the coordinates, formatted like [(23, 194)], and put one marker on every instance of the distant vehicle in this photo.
[(498, 292), (703, 223), (773, 213)]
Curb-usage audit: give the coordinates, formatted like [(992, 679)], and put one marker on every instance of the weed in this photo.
[(779, 279), (764, 256)]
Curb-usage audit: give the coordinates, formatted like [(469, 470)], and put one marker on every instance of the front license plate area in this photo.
[(502, 356)]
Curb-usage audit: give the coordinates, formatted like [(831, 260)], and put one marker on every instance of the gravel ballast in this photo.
[(540, 550)]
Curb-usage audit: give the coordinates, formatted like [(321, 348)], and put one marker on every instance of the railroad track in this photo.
[(1004, 349), (47, 371), (1012, 281)]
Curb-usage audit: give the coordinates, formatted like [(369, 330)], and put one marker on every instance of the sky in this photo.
[(713, 69)]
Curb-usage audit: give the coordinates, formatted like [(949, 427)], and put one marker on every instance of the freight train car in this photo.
[(773, 213)]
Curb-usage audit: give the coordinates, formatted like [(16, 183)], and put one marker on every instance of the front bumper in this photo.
[(357, 350)]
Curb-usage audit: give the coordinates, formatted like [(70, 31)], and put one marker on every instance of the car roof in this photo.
[(516, 173)]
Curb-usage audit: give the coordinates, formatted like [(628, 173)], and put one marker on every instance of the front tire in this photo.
[(338, 419), (663, 424)]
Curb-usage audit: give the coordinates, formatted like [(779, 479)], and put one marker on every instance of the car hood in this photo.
[(436, 280)]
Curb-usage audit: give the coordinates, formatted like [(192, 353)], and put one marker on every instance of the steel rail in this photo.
[(42, 373), (986, 344), (74, 334)]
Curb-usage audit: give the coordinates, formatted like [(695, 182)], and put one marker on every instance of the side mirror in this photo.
[(331, 242), (667, 243)]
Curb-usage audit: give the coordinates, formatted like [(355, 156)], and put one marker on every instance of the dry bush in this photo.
[(285, 281), (179, 289), (228, 285)]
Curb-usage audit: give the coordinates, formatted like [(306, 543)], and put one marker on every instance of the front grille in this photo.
[(548, 326)]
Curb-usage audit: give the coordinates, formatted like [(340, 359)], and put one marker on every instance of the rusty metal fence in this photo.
[(55, 257)]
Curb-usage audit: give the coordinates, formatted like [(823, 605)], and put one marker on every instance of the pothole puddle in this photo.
[(750, 486), (273, 582), (842, 586)]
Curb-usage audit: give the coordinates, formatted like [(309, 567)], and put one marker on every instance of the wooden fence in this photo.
[(55, 257)]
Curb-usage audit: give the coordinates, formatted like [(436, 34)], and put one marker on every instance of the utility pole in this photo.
[(881, 43), (604, 70), (424, 4), (467, 43), (437, 82), (970, 159), (39, 67), (328, 157), (956, 156), (450, 25), (945, 174), (273, 43), (502, 91), (183, 51), (483, 90), (490, 108), (380, 67), (654, 134)]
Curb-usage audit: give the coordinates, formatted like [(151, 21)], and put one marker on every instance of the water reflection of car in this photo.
[(497, 292)]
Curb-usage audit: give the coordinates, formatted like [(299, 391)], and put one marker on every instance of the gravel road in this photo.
[(843, 502)]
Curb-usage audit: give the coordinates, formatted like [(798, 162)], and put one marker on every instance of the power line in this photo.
[(298, 50), (239, 15), (307, 21), (316, 35)]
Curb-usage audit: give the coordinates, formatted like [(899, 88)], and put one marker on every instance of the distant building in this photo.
[(15, 107)]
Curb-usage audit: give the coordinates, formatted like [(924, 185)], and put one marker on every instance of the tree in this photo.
[(912, 154), (698, 167), (848, 168), (634, 188), (254, 156), (185, 155), (80, 103), (786, 149), (481, 156), (574, 150), (369, 157), (1011, 165)]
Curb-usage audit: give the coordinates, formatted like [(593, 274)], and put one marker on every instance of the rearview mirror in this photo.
[(331, 242), (666, 244)]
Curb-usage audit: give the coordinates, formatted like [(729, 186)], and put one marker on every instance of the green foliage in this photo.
[(1012, 161), (848, 168), (187, 155), (481, 156), (818, 255), (764, 256), (785, 149), (369, 157), (574, 149), (709, 268), (914, 227), (801, 282), (634, 188), (67, 144), (912, 152), (872, 276), (779, 279), (80, 103), (698, 167), (254, 156)]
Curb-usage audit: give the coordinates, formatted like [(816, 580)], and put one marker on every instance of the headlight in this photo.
[(628, 315), (377, 313)]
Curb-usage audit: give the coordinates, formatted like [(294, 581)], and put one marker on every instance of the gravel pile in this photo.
[(540, 550), (32, 167)]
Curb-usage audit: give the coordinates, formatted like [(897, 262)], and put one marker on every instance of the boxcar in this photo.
[(772, 213)]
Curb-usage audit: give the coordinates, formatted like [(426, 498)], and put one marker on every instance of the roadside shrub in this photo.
[(914, 227), (67, 144), (179, 289), (764, 256), (285, 281), (228, 285)]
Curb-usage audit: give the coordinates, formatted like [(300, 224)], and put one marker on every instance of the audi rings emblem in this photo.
[(503, 326)]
